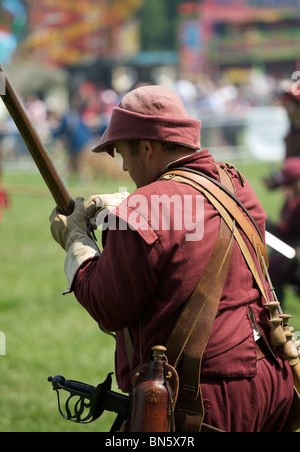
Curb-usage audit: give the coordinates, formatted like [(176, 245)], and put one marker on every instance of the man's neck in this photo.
[(177, 161)]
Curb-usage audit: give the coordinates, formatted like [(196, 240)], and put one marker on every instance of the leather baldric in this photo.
[(189, 338), (211, 282), (185, 345), (228, 208), (221, 192)]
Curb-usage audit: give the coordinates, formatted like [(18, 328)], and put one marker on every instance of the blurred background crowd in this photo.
[(240, 120), (73, 61)]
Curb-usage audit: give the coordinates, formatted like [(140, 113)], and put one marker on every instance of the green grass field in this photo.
[(47, 333)]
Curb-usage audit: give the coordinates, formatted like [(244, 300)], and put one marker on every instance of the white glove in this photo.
[(98, 206), (71, 233)]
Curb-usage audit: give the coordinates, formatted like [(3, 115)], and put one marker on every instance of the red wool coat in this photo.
[(149, 273)]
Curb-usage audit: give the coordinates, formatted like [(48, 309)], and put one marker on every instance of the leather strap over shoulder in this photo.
[(189, 337), (228, 201), (191, 333)]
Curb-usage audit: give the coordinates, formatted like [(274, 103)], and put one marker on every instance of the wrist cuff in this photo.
[(77, 254)]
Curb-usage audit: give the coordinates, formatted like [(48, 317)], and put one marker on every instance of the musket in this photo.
[(35, 146)]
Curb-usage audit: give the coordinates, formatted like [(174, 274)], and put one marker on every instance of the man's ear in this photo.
[(147, 148)]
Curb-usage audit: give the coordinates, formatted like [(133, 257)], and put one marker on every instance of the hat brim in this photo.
[(128, 125)]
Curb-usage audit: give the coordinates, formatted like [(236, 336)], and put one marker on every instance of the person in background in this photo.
[(76, 136), (290, 100), (284, 271), (4, 198)]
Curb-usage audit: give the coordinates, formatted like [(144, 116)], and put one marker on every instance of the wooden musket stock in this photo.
[(36, 147)]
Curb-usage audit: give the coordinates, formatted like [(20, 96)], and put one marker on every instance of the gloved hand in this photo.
[(98, 206), (71, 233), (67, 230)]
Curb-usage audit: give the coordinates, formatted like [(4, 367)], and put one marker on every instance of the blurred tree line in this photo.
[(159, 21)]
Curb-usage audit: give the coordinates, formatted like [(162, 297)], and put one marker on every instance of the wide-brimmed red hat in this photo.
[(151, 113)]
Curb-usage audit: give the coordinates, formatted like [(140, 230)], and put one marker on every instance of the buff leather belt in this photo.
[(190, 335)]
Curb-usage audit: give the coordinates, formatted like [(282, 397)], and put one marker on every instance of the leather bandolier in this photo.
[(189, 338)]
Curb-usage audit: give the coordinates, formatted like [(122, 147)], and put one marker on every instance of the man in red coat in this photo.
[(291, 102), (157, 243), (284, 271)]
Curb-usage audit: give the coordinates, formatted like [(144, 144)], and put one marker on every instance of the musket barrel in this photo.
[(36, 147)]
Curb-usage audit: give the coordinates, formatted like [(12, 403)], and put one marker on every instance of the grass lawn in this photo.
[(47, 333)]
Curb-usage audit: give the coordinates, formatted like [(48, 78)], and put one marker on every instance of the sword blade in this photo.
[(280, 246)]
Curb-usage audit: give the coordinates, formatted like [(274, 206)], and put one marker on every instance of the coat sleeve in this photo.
[(117, 287)]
